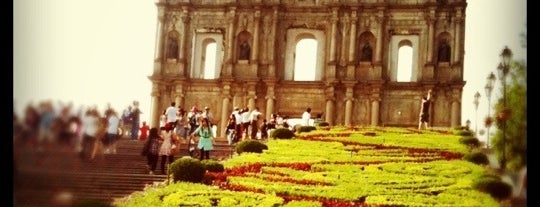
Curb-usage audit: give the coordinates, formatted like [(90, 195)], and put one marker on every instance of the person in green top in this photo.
[(206, 138)]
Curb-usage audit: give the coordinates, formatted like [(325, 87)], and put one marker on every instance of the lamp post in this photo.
[(476, 102), (488, 89), (503, 69)]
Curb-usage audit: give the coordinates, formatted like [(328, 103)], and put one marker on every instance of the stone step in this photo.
[(101, 186), (40, 175)]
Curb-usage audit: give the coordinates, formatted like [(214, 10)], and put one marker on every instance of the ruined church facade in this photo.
[(245, 53)]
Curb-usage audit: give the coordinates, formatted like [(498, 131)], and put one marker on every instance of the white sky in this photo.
[(94, 52)]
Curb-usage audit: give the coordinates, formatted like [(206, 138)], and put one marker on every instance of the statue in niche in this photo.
[(444, 52), (245, 51), (367, 52), (172, 48)]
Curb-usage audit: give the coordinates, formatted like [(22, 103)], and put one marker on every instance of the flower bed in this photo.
[(396, 167)]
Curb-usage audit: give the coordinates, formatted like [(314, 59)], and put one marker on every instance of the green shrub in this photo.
[(301, 129), (295, 128), (477, 158), (465, 133), (282, 133), (322, 124), (187, 169), (493, 186), (469, 141), (250, 146), (212, 166), (459, 128)]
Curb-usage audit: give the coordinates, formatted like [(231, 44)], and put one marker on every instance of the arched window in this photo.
[(403, 58), (207, 54), (304, 55), (404, 71), (305, 60), (210, 61)]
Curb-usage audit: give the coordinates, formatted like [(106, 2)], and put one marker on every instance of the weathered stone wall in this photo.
[(347, 90)]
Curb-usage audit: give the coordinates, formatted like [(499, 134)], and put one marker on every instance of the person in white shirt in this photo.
[(306, 116), (239, 119), (255, 114), (171, 113), (90, 130), (245, 121), (113, 122)]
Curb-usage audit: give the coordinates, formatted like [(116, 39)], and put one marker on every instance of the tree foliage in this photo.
[(514, 144)]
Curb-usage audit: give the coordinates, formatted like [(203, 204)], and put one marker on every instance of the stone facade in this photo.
[(356, 68)]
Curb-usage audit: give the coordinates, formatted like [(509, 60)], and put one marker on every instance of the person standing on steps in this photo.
[(135, 118), (254, 124), (151, 149), (166, 148), (144, 131), (206, 139), (171, 113), (424, 111)]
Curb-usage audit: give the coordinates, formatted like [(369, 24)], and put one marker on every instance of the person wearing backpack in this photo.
[(151, 149), (193, 117)]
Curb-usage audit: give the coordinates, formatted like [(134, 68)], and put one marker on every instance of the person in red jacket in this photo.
[(144, 131)]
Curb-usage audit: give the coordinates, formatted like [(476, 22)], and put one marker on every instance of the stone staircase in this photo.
[(41, 177)]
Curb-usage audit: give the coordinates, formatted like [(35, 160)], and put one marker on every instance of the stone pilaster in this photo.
[(158, 50), (334, 20), (155, 95), (256, 23), (352, 37), (349, 98)]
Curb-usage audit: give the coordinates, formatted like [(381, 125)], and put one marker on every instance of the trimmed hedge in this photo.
[(212, 166), (187, 169), (470, 141), (282, 133), (250, 146), (301, 129), (494, 186), (477, 158)]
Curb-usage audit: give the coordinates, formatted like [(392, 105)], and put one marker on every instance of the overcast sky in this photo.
[(94, 52)]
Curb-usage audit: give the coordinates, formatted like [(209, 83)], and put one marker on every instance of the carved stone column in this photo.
[(334, 19), (380, 22), (251, 94), (455, 110), (183, 41), (224, 115), (375, 107), (430, 37), (344, 32), (155, 95), (458, 21), (230, 36), (330, 104), (349, 98), (229, 42), (271, 42), (330, 108), (225, 107), (352, 37), (270, 98), (159, 41), (179, 94), (255, 54)]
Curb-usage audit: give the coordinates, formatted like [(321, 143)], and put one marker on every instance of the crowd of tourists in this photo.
[(84, 130)]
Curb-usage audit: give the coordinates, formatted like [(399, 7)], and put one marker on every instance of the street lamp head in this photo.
[(506, 55), (489, 85), (504, 65), (476, 95), (476, 100)]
